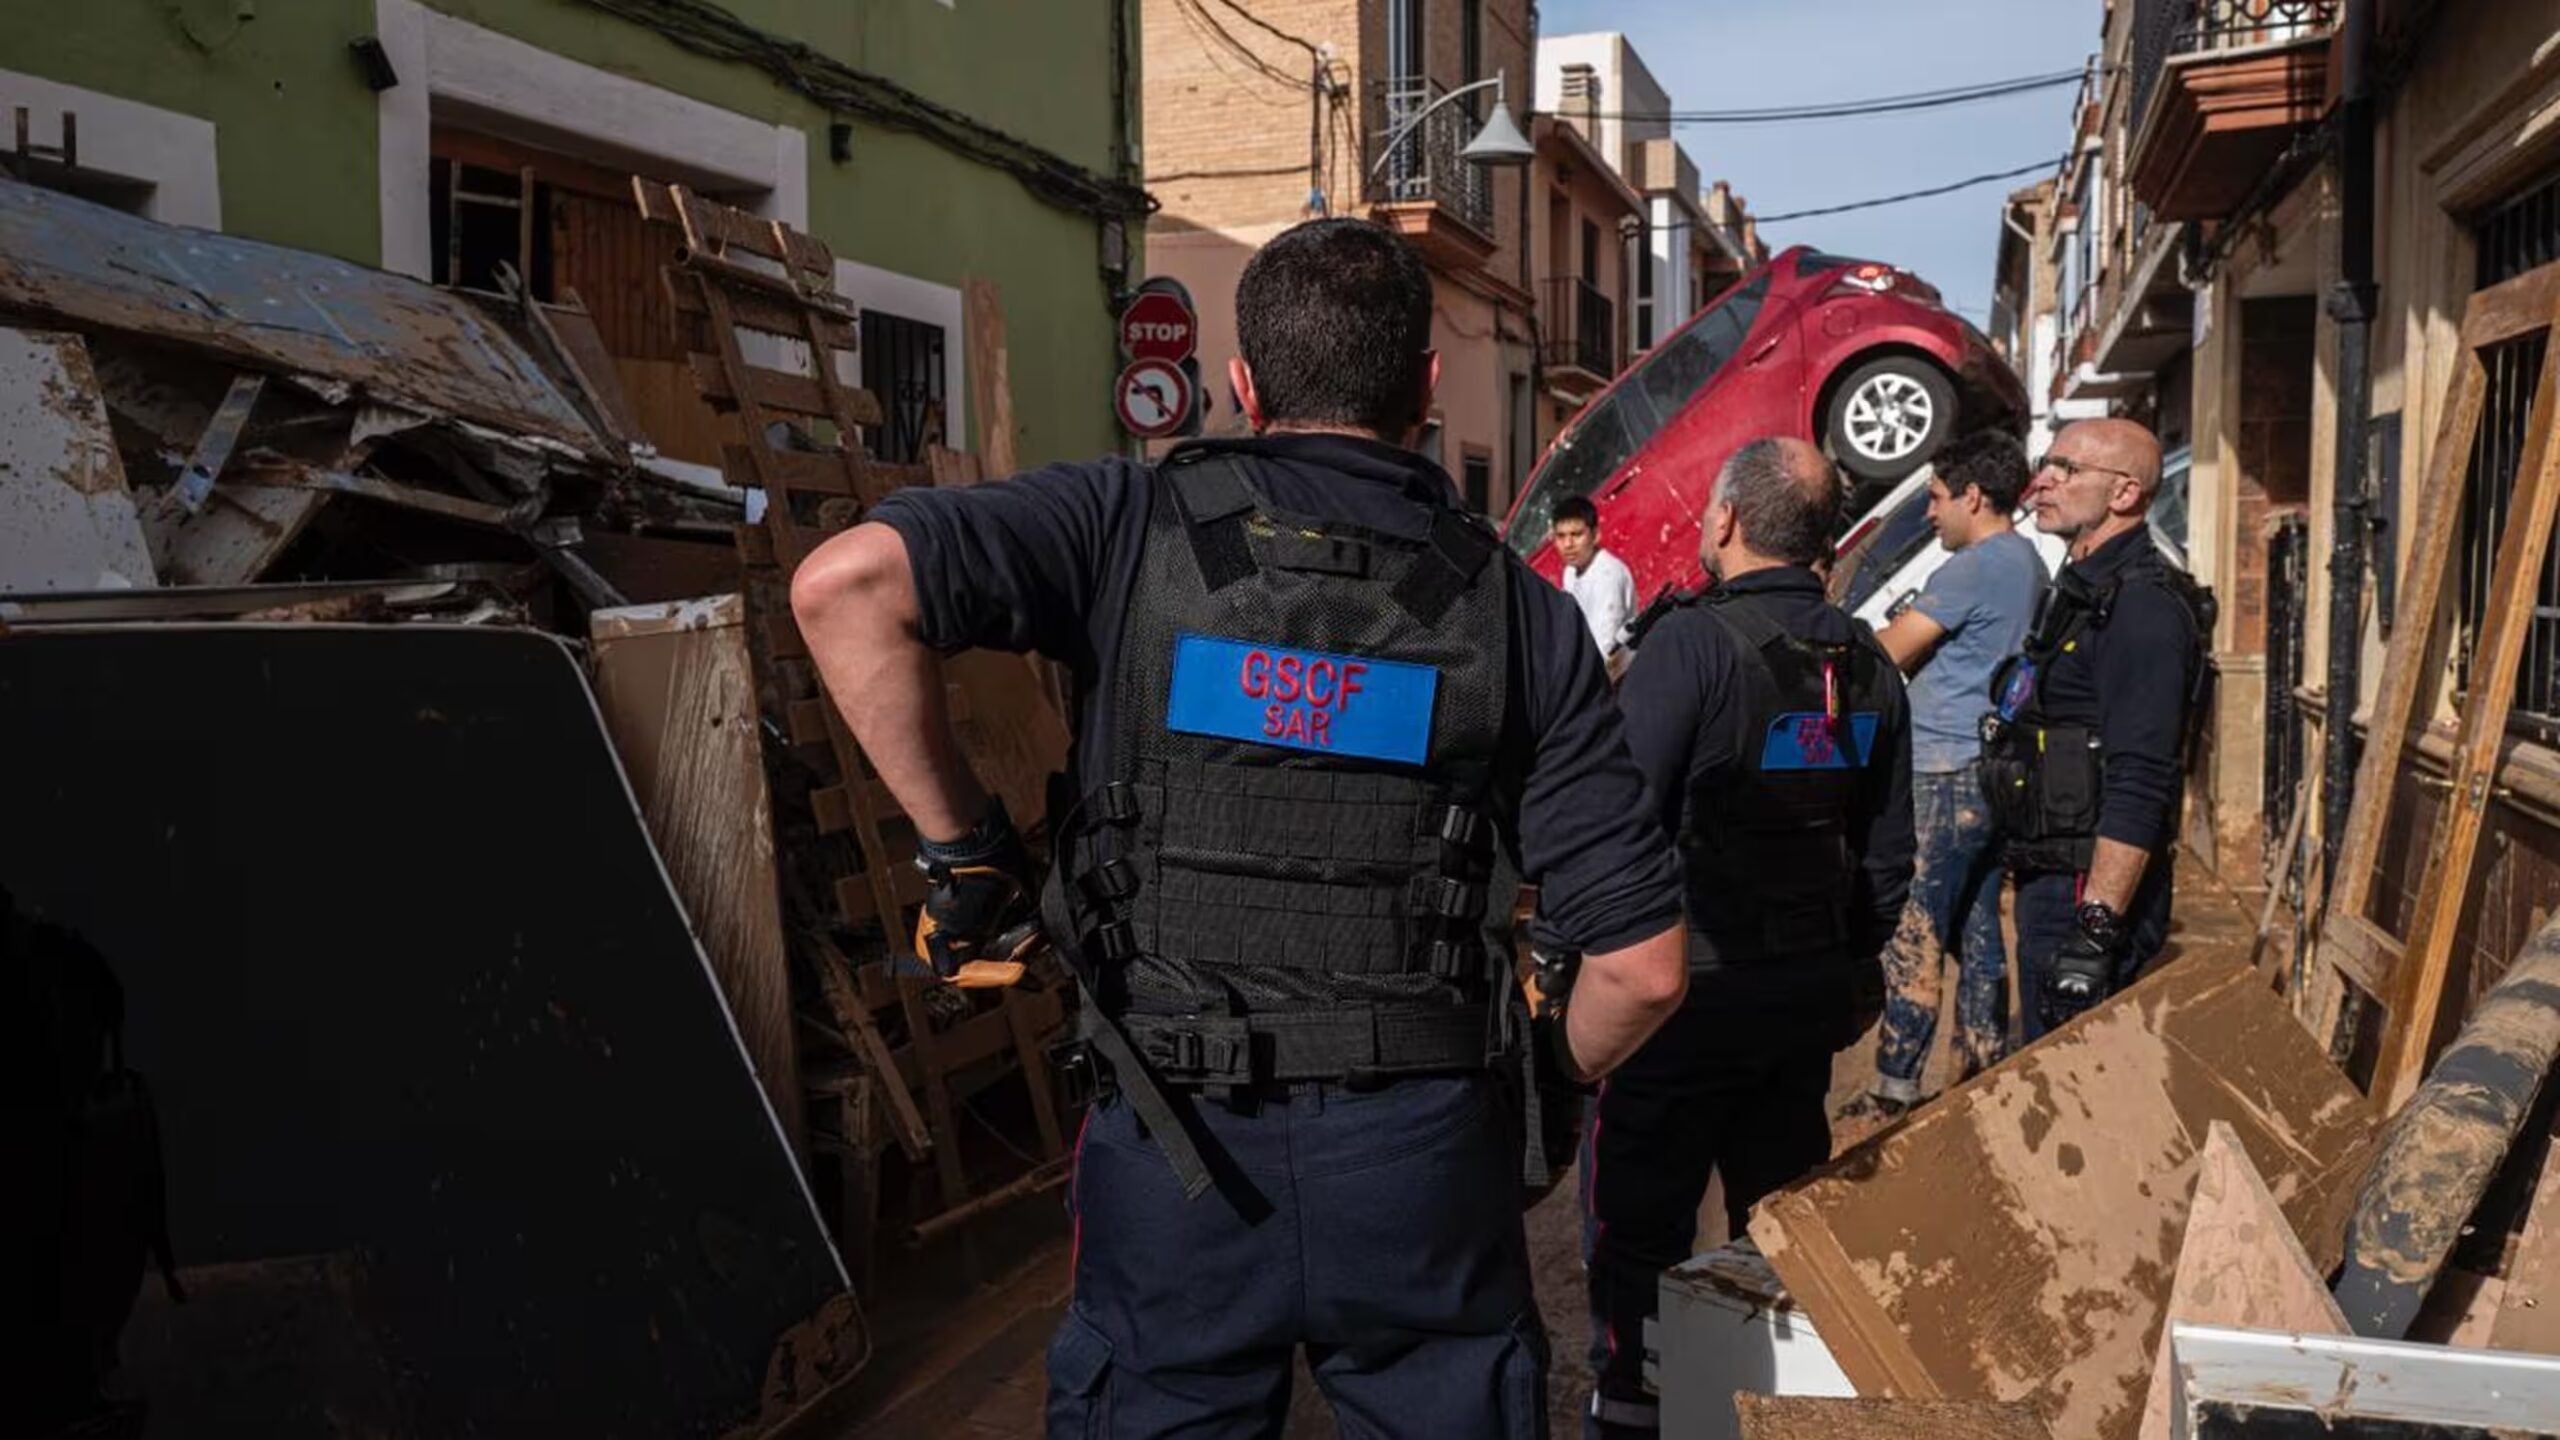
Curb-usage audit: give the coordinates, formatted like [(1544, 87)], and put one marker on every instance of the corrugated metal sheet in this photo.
[(84, 265)]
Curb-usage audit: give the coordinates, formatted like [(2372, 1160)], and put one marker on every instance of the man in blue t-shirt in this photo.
[(1973, 613)]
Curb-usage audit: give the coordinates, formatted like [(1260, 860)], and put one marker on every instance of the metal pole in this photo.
[(2351, 304)]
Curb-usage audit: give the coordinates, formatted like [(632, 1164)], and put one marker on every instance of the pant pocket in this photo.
[(1524, 1380), (1079, 1380)]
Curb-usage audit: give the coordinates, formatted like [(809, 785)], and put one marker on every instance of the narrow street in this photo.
[(974, 1371)]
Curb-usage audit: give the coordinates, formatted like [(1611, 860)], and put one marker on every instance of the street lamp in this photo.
[(1498, 143)]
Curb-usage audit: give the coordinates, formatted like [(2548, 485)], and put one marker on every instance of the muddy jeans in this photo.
[(1953, 915)]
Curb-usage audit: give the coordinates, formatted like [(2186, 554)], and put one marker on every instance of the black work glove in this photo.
[(2084, 969), (981, 905)]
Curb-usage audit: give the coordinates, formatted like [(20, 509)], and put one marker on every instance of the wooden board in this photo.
[(679, 698), (2016, 1240), (990, 378), (2241, 1264), (2529, 1314), (1012, 735), (1814, 1417), (2416, 995)]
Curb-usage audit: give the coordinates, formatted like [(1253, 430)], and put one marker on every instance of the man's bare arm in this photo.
[(856, 602), (1622, 996), (2115, 869), (1909, 638)]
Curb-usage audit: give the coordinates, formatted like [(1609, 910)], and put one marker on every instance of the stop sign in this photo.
[(1158, 326)]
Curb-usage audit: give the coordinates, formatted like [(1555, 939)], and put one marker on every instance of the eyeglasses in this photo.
[(2071, 469)]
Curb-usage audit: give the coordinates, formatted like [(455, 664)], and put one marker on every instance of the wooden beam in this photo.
[(990, 380), (2416, 996)]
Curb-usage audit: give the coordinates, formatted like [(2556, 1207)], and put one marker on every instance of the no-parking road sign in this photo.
[(1153, 398)]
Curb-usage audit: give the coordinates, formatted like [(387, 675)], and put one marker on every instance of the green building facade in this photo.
[(925, 141)]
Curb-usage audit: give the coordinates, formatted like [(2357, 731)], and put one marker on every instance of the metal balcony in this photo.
[(2219, 87), (1581, 326), (1425, 184)]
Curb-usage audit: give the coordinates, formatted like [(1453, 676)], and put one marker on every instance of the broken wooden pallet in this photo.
[(770, 339)]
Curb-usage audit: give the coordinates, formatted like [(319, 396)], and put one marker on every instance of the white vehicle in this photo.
[(1880, 565)]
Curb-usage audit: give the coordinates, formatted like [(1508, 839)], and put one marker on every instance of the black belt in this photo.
[(1352, 1043)]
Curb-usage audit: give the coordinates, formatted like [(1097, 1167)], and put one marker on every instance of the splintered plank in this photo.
[(2018, 1238)]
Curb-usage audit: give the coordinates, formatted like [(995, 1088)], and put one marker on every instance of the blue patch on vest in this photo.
[(1302, 699), (1807, 741)]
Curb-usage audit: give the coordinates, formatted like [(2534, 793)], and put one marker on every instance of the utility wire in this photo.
[(1847, 109), (2040, 167), (1273, 30)]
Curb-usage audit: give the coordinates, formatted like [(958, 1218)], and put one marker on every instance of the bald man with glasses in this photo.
[(2084, 750)]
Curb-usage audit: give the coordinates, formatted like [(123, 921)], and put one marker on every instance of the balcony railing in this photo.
[(1581, 327), (1425, 164), (2163, 28)]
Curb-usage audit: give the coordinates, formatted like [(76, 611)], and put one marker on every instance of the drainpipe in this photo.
[(2351, 304), (2442, 1151)]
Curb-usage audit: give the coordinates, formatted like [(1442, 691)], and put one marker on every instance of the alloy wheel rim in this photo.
[(1888, 417)]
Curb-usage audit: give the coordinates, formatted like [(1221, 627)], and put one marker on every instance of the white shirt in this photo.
[(1606, 591)]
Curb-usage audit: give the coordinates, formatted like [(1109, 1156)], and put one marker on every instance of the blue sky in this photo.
[(1743, 54)]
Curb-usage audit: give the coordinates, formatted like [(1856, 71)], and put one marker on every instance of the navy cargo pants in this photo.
[(1377, 1230), (1734, 1085)]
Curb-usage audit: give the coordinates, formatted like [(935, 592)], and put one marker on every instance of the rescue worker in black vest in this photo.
[(1775, 741), (2083, 752), (1326, 725)]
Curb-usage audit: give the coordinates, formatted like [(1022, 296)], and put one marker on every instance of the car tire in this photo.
[(1889, 417)]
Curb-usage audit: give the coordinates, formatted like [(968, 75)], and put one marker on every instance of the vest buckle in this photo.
[(1466, 829), (1114, 879), (1446, 898)]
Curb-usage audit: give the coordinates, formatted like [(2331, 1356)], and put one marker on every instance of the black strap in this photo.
[(1349, 1042), (1155, 1109), (1214, 498), (1444, 570)]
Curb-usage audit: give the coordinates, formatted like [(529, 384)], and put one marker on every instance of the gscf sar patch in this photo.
[(1312, 700)]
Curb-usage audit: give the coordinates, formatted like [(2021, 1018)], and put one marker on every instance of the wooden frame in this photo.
[(798, 440), (2408, 978)]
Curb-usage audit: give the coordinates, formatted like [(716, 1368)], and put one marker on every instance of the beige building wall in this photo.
[(1238, 132)]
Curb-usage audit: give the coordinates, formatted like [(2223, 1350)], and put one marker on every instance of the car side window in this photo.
[(1683, 365)]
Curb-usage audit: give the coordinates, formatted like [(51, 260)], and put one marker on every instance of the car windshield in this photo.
[(1621, 421), (1887, 548)]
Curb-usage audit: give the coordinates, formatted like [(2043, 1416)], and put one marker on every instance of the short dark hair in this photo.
[(1574, 507), (1784, 515), (1334, 319), (1991, 461)]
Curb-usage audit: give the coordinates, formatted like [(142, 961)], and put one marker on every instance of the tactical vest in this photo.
[(1285, 855), (2043, 779), (1766, 844)]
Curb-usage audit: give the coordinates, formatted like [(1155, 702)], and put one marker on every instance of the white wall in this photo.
[(486, 81), (175, 155)]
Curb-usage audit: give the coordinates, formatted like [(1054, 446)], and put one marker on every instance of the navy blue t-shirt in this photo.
[(1047, 561)]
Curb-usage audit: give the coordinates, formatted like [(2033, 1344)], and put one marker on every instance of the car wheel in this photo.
[(1889, 416)]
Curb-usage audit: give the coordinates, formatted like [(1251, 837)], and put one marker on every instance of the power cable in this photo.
[(1273, 30), (1881, 200), (1194, 10), (1849, 109)]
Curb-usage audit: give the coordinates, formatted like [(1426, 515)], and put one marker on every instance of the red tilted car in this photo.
[(1859, 357)]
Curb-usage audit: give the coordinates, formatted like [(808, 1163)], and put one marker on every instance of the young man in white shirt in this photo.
[(1598, 581)]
